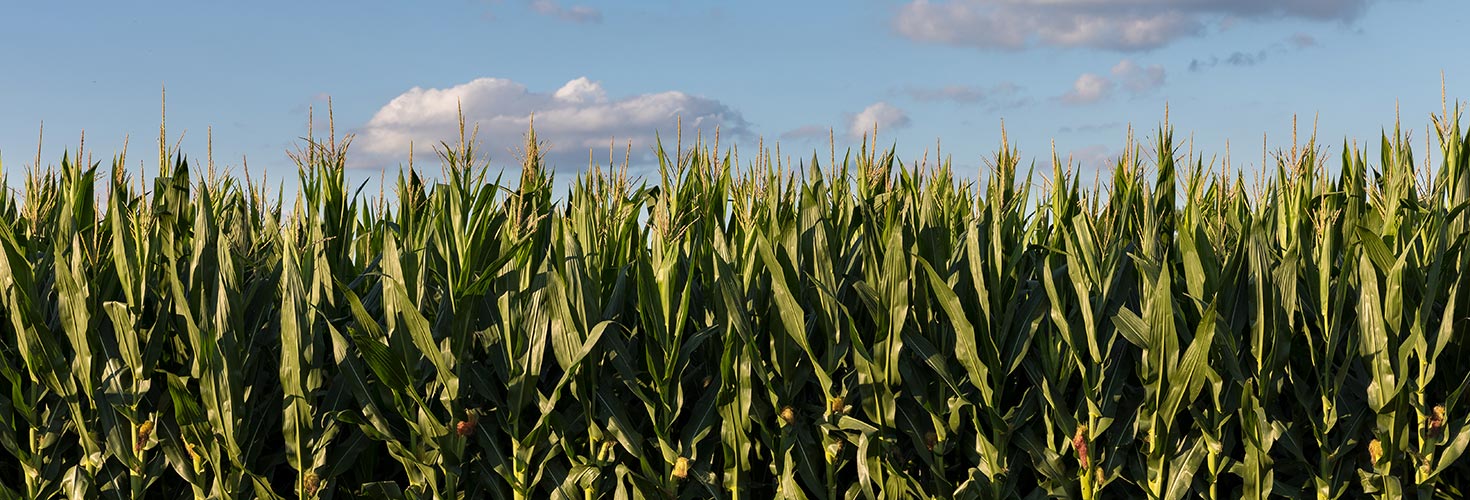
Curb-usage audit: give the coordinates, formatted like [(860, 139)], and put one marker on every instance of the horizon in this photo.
[(1071, 74)]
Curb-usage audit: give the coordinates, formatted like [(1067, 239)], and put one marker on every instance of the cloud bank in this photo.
[(575, 118), (1123, 25)]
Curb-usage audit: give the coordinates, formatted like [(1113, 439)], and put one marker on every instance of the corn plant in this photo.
[(756, 326)]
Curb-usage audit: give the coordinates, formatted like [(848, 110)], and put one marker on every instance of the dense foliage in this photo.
[(854, 327)]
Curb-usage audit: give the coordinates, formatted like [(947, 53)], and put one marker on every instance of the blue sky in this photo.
[(1076, 72)]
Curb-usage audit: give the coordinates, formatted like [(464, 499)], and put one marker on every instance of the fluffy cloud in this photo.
[(573, 119), (857, 125), (1106, 24), (884, 115), (1089, 88), (575, 13), (1138, 79)]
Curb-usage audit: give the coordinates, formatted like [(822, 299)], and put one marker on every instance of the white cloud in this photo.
[(575, 13), (1089, 88), (1138, 79), (1108, 24), (1135, 78), (573, 119), (885, 116)]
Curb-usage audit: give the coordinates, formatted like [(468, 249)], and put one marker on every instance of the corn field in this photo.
[(829, 328)]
